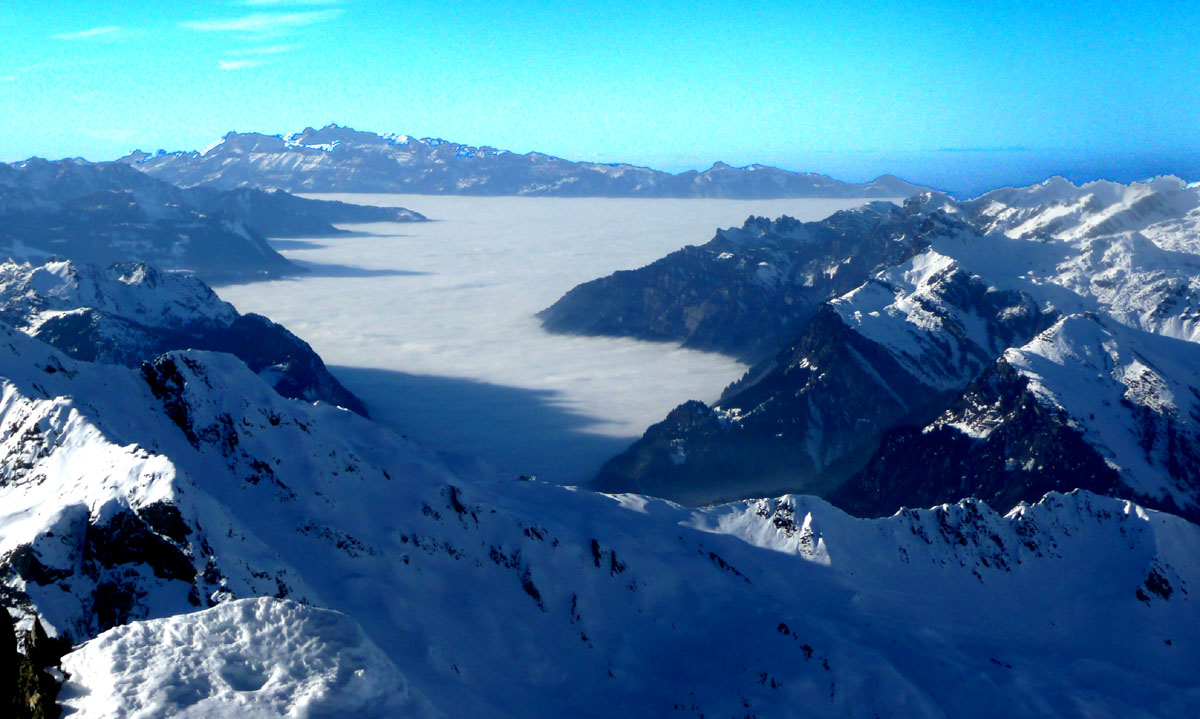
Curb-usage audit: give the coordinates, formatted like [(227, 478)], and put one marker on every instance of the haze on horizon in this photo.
[(963, 97)]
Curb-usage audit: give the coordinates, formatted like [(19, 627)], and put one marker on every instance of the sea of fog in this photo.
[(432, 324)]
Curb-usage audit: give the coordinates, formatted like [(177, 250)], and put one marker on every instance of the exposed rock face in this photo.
[(340, 159), (27, 689), (811, 416), (789, 423), (1029, 449), (9, 660)]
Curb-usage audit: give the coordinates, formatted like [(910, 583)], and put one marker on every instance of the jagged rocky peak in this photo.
[(750, 289), (1088, 403), (332, 133), (237, 142)]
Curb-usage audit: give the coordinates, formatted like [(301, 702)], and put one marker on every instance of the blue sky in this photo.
[(951, 93)]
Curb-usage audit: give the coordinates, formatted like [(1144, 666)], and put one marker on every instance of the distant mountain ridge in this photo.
[(341, 159), (104, 213)]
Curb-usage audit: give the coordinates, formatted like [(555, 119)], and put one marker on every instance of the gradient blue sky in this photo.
[(962, 95)]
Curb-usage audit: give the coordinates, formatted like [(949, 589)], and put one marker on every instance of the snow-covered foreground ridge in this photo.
[(243, 659), (143, 494)]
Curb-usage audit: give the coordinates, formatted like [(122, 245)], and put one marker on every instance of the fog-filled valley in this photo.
[(433, 324)]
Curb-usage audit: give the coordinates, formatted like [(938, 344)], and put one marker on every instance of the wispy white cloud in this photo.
[(265, 23), (269, 50), (237, 64), (95, 32)]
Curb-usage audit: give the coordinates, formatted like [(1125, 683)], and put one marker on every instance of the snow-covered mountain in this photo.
[(140, 497), (131, 313), (1110, 273), (107, 212), (340, 159)]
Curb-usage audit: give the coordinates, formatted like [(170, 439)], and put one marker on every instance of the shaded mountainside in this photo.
[(129, 497), (1028, 450), (748, 290), (1087, 404), (130, 313), (276, 213), (340, 159), (808, 418), (1043, 344), (106, 213)]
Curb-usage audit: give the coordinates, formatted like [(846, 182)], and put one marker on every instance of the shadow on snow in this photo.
[(518, 430)]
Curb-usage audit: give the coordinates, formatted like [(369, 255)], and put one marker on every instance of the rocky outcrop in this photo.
[(1028, 449)]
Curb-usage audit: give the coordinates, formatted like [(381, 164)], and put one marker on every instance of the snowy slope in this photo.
[(884, 354), (1132, 251), (30, 295), (1134, 395), (246, 659), (130, 312), (154, 493)]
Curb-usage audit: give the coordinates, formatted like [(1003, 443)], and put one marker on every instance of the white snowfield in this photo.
[(246, 659), (1132, 251)]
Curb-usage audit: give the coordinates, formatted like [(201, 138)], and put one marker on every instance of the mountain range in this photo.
[(959, 479), (1027, 340), (341, 159)]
